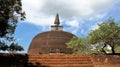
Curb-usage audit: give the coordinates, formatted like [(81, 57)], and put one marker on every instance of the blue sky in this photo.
[(77, 17)]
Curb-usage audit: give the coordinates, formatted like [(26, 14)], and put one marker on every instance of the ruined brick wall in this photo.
[(58, 60), (101, 60), (74, 60)]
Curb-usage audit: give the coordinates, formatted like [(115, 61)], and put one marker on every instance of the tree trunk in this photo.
[(112, 49), (103, 49)]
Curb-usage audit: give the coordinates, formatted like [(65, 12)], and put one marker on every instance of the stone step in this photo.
[(61, 59), (62, 62), (72, 65), (66, 65), (56, 57)]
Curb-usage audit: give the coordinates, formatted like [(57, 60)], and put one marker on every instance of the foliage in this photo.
[(3, 46), (106, 38), (15, 47), (10, 13), (79, 45), (108, 34)]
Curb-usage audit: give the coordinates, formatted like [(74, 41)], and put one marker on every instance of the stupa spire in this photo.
[(57, 26), (57, 22)]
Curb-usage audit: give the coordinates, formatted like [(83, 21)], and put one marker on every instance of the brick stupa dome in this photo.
[(53, 41)]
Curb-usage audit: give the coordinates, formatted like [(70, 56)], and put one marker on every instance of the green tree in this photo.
[(79, 45), (10, 13), (108, 34), (15, 47)]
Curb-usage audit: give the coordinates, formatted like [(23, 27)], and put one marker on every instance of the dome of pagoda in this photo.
[(50, 42), (53, 41)]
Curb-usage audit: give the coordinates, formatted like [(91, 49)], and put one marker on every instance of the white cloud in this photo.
[(33, 15), (95, 26), (80, 8), (97, 17), (74, 25), (42, 12)]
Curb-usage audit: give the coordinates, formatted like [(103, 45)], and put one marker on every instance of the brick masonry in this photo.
[(59, 60)]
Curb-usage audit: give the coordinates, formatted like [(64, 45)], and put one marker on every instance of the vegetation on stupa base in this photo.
[(79, 45), (105, 39), (10, 14)]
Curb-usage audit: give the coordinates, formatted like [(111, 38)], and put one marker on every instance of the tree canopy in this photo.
[(106, 38), (10, 14), (107, 34), (79, 45)]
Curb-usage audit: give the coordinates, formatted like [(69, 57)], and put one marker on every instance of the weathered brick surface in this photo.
[(74, 60), (58, 60), (51, 42), (102, 60), (61, 60)]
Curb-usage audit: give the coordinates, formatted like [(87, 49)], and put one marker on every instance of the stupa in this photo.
[(53, 41)]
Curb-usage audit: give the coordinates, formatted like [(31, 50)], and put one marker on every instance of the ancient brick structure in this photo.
[(48, 49), (59, 60), (50, 42), (102, 60), (53, 41)]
